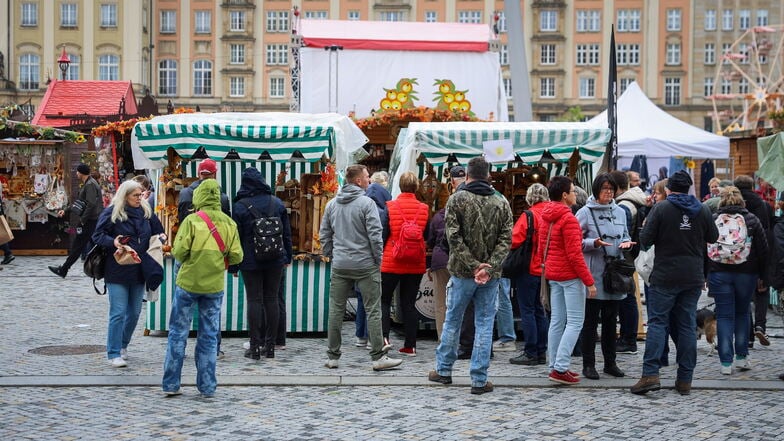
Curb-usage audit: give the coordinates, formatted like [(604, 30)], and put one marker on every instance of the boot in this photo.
[(253, 353), (646, 384), (614, 370), (590, 373), (683, 387), (59, 271), (269, 351)]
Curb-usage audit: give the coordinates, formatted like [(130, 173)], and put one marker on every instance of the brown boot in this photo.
[(683, 387), (646, 384)]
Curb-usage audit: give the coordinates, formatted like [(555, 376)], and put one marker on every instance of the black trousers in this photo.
[(80, 242), (607, 312), (409, 288), (261, 290)]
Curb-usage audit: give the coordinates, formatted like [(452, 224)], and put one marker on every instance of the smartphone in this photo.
[(125, 239)]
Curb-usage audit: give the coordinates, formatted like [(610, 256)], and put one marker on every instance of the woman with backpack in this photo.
[(403, 262), (737, 260)]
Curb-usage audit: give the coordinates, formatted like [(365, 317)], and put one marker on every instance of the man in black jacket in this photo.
[(87, 207)]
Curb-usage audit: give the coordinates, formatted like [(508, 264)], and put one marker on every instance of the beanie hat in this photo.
[(83, 169), (208, 166), (679, 182)]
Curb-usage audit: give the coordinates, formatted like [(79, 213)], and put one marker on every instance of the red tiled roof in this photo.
[(95, 98)]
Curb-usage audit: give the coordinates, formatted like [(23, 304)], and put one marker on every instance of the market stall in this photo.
[(301, 155)]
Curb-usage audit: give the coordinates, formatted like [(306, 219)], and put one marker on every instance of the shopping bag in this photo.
[(5, 231)]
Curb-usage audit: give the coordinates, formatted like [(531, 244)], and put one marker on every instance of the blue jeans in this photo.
[(532, 317), (177, 265), (125, 305), (459, 293), (732, 293), (504, 316), (360, 322), (676, 307), (209, 306), (567, 305)]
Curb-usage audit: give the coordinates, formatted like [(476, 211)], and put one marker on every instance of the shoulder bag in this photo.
[(618, 275), (544, 287), (94, 266), (216, 235)]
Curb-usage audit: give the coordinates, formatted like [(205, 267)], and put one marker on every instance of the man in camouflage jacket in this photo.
[(479, 233)]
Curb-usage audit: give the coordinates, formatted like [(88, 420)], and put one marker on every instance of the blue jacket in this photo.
[(255, 191), (380, 196)]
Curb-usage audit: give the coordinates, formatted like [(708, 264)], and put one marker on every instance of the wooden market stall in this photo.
[(293, 152)]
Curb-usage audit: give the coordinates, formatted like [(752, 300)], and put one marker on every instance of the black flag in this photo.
[(612, 109)]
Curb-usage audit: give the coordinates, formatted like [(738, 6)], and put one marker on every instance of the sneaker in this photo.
[(758, 332), (435, 377), (58, 270), (742, 364), (221, 355), (479, 390), (625, 348), (332, 363), (207, 396), (542, 359), (359, 342), (124, 353), (562, 378), (573, 373), (246, 345), (524, 360), (173, 393), (386, 363), (504, 346), (118, 362), (411, 352), (726, 369), (387, 345), (8, 259)]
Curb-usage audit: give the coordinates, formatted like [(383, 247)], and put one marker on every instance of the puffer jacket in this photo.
[(520, 231), (405, 207), (611, 220), (203, 266), (758, 255), (564, 256)]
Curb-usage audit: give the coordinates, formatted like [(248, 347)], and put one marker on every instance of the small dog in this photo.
[(706, 325)]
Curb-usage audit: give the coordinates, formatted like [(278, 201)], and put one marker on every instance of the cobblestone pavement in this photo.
[(294, 397)]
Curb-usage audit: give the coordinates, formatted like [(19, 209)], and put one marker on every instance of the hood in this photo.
[(379, 194), (207, 196), (552, 211), (482, 188), (686, 202), (634, 195), (348, 193), (253, 183), (593, 204)]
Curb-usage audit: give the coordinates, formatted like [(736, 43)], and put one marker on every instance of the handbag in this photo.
[(55, 199), (644, 264), (95, 266), (519, 259), (6, 235), (618, 274), (544, 287), (126, 255)]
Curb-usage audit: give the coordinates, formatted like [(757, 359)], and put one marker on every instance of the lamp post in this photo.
[(63, 62)]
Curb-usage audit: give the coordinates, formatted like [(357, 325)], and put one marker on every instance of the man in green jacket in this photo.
[(206, 243)]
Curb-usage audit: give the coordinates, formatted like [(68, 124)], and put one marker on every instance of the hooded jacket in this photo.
[(185, 200), (256, 193), (564, 259), (758, 254), (350, 232), (632, 199), (203, 266)]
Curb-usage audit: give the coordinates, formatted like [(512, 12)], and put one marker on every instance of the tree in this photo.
[(573, 114)]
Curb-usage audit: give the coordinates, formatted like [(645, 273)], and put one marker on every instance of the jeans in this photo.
[(608, 311), (209, 306), (79, 244), (567, 305), (532, 317), (676, 307), (628, 317), (732, 293), (360, 322), (409, 289), (6, 247), (460, 292), (261, 289), (125, 305), (340, 287), (504, 316), (177, 265)]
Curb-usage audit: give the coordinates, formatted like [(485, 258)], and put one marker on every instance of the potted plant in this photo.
[(777, 118)]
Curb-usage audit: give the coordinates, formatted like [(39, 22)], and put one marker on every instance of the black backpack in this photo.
[(519, 259), (267, 233), (95, 266), (635, 226)]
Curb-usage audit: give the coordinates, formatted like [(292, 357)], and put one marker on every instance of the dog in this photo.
[(706, 325)]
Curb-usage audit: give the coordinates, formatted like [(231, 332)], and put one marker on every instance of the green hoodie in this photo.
[(203, 268)]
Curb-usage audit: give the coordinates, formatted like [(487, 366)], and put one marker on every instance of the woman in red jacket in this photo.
[(403, 262)]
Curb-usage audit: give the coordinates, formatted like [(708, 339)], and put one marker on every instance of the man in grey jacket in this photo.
[(351, 236)]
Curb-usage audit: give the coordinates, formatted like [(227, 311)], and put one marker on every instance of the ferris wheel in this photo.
[(749, 80)]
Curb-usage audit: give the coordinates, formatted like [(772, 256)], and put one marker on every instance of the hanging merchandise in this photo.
[(41, 183), (56, 199)]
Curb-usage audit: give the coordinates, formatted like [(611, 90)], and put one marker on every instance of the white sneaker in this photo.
[(504, 346), (118, 362), (124, 354), (742, 364), (171, 393), (387, 345), (246, 345), (726, 370), (359, 342), (331, 363), (386, 363)]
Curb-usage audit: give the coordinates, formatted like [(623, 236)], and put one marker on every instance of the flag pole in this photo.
[(612, 109)]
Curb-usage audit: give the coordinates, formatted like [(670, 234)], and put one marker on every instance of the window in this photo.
[(277, 87), (353, 15), (30, 14), (673, 54), (167, 78), (623, 84), (673, 19), (726, 86), (108, 68), (588, 21), (73, 69), (725, 50), (277, 54), (762, 58), (202, 78), (743, 86), (762, 17), (744, 19), (587, 87), (68, 15), (710, 20), (320, 15), (236, 86), (508, 87), (548, 20), (548, 54), (237, 54), (237, 21), (710, 53), (109, 16), (29, 71), (469, 17), (672, 91), (726, 20), (628, 20), (431, 16), (203, 22), (588, 54), (392, 16), (707, 88), (627, 54), (743, 49), (501, 22), (168, 22), (503, 55), (547, 87), (278, 21)]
